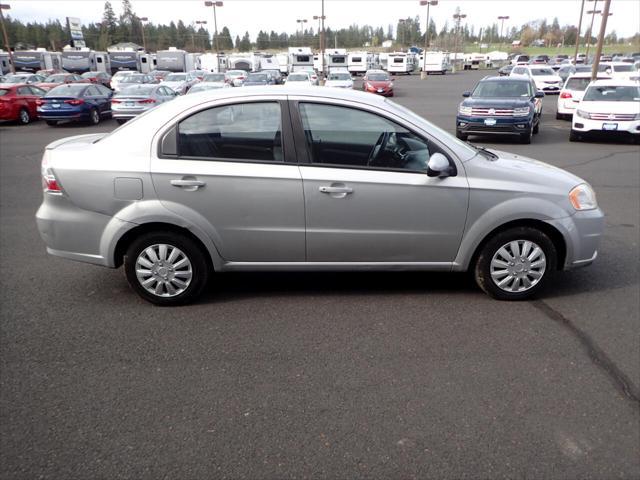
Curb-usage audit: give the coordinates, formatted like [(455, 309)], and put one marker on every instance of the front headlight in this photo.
[(391, 85), (368, 85), (582, 114), (583, 197), (464, 110), (521, 111)]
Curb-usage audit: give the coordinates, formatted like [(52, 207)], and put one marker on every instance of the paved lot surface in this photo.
[(322, 375)]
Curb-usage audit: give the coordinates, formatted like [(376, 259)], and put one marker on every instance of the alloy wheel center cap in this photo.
[(163, 271), (519, 268)]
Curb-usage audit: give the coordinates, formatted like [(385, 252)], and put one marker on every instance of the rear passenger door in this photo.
[(231, 170)]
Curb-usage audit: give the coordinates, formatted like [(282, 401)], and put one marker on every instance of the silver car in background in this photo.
[(134, 79), (307, 179), (180, 82), (136, 99)]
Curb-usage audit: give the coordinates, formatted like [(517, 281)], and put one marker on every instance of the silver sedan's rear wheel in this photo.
[(514, 264), (167, 268)]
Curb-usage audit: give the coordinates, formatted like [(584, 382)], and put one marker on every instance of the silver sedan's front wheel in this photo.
[(514, 264), (167, 268)]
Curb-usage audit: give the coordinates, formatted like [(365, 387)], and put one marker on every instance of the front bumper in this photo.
[(582, 233), (385, 92), (485, 125), (612, 127)]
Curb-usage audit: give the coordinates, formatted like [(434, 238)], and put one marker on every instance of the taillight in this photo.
[(49, 181), (565, 95), (147, 100), (113, 100), (75, 101)]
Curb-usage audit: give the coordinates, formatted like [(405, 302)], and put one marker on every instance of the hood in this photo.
[(338, 83), (497, 102), (379, 83), (516, 173), (250, 83)]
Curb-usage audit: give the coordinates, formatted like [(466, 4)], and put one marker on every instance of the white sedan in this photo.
[(544, 77), (339, 80), (608, 107), (299, 79), (572, 93)]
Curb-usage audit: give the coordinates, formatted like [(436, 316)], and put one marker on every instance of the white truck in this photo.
[(434, 62), (401, 62)]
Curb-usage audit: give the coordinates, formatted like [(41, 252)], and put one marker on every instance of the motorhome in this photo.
[(318, 64), (5, 64), (213, 62), (176, 60), (85, 60), (300, 57), (472, 61), (336, 59), (34, 60), (283, 62), (434, 62), (401, 62), (359, 62)]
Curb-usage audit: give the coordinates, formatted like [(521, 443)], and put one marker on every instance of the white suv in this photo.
[(572, 93), (544, 77)]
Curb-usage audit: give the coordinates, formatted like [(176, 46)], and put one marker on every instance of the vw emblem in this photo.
[(492, 111), (612, 116)]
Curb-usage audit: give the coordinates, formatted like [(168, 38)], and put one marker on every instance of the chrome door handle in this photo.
[(345, 190), (188, 184)]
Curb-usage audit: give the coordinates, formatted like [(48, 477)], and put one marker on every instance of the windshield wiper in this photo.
[(484, 151)]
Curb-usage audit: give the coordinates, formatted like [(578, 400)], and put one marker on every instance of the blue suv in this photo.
[(500, 106)]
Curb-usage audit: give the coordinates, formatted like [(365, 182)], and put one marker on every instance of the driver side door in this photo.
[(367, 195)]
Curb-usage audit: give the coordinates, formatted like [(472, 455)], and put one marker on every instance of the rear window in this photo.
[(579, 84), (356, 59), (69, 90), (176, 77), (4, 91), (138, 90), (623, 68), (218, 77), (261, 77), (297, 78), (55, 78), (536, 72)]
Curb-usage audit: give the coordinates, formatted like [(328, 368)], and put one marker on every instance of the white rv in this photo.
[(336, 59), (300, 57), (283, 62), (318, 64), (383, 60), (84, 60), (472, 61), (269, 62), (401, 62), (34, 60), (436, 62), (5, 65), (125, 60), (176, 60), (213, 62), (359, 62)]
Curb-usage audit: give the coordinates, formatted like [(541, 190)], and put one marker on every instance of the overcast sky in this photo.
[(281, 15)]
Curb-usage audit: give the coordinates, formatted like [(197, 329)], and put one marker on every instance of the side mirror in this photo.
[(608, 71), (438, 166), (466, 94), (539, 94)]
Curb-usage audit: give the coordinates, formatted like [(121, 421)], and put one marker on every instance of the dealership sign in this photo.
[(75, 31)]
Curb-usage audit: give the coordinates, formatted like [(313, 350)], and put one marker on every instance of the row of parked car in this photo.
[(512, 105)]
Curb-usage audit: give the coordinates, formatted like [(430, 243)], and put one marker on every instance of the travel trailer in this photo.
[(5, 65), (436, 62), (124, 60), (336, 59), (401, 62), (283, 62), (269, 62), (34, 60), (213, 62), (300, 57), (359, 62), (383, 60), (176, 60), (85, 60), (472, 61)]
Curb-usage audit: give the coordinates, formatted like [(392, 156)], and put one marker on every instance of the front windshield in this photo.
[(257, 78), (612, 93), (175, 77), (623, 68), (297, 78), (133, 79), (502, 89), (216, 77), (55, 78), (340, 76), (536, 72), (378, 77)]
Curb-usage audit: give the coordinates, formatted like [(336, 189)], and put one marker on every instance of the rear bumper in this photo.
[(62, 115)]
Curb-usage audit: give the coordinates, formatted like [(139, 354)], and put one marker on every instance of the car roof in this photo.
[(375, 70), (515, 78), (537, 67), (616, 83)]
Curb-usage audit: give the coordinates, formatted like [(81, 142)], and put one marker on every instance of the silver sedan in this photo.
[(136, 99), (307, 179)]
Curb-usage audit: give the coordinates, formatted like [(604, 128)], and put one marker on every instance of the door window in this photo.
[(248, 131), (350, 137), (24, 91)]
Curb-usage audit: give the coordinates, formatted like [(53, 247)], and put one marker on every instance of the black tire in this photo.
[(23, 116), (462, 136), (200, 265), (94, 117), (482, 267), (51, 123), (559, 116), (525, 138), (574, 136), (536, 129), (121, 121)]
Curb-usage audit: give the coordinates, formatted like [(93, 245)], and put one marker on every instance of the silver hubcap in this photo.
[(95, 117), (24, 116), (518, 266), (163, 270)]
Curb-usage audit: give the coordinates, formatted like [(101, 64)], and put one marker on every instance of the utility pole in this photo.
[(502, 18), (321, 19), (575, 56), (428, 3), (603, 29), (4, 6), (214, 4), (301, 21), (593, 15)]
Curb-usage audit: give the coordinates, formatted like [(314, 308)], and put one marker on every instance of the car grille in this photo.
[(495, 112), (483, 128), (612, 116)]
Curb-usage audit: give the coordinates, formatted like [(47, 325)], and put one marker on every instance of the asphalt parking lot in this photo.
[(377, 375)]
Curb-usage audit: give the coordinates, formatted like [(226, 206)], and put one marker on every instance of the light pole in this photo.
[(458, 17), (4, 6), (575, 55), (603, 29), (428, 3), (402, 21), (196, 22), (144, 40), (502, 18), (300, 21), (215, 21), (593, 15), (321, 19)]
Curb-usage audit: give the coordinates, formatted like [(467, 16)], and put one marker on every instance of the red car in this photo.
[(18, 102), (378, 81), (61, 78)]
